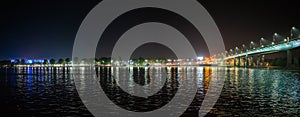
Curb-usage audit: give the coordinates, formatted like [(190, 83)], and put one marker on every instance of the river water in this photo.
[(246, 91)]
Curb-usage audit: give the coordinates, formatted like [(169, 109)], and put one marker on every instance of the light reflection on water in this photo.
[(246, 92)]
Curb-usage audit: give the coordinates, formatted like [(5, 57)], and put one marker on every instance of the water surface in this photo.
[(246, 91)]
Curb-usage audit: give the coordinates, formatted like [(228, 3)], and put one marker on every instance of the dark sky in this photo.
[(47, 29)]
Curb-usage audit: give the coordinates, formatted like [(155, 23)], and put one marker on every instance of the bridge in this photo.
[(254, 54)]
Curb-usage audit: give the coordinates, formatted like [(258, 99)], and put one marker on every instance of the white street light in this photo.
[(293, 28)]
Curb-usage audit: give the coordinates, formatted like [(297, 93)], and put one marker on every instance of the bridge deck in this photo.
[(269, 49)]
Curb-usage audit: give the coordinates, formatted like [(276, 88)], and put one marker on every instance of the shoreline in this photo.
[(204, 65)]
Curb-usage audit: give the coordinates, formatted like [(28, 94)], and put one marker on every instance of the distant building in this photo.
[(28, 61)]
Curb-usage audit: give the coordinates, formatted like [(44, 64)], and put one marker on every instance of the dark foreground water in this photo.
[(246, 92)]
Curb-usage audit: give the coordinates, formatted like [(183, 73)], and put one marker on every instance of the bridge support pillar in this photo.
[(250, 64), (234, 62), (239, 61), (296, 55), (257, 61), (293, 58), (263, 60), (252, 61), (246, 61), (289, 58)]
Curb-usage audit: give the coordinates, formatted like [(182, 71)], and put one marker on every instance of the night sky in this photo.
[(47, 29)]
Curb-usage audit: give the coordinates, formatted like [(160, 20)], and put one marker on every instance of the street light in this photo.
[(293, 28), (261, 41), (236, 50), (231, 52), (274, 36), (252, 45), (244, 47), (295, 33)]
